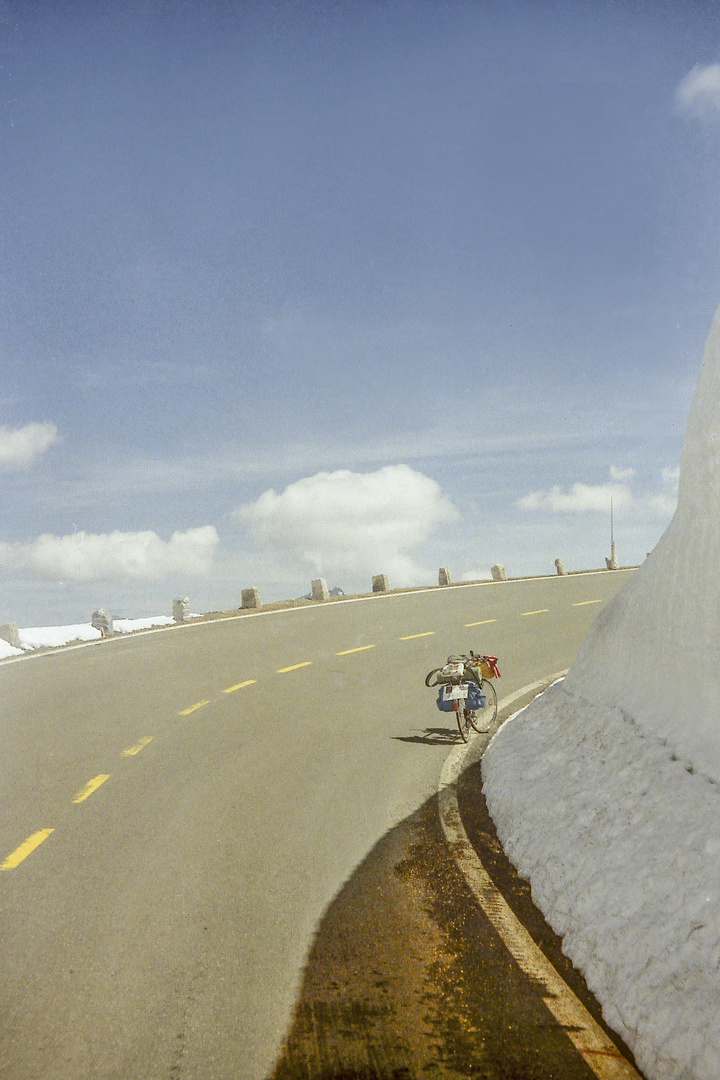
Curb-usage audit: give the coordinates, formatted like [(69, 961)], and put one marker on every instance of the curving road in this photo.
[(178, 808)]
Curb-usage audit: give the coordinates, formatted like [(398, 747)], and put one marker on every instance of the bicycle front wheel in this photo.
[(481, 719)]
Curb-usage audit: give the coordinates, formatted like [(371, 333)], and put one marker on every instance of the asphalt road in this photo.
[(210, 790)]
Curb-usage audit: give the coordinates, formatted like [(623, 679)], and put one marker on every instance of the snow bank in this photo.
[(622, 846), (606, 791), (51, 637), (8, 650), (39, 637), (654, 649)]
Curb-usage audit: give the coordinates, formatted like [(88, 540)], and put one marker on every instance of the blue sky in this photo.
[(338, 288)]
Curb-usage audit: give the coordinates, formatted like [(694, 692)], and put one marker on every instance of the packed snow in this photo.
[(52, 637), (622, 846), (606, 790)]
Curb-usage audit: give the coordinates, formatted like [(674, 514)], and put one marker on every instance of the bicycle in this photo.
[(466, 690)]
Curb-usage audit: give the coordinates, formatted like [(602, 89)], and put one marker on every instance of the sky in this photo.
[(334, 289)]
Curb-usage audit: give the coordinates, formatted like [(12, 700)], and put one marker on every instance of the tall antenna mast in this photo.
[(612, 564)]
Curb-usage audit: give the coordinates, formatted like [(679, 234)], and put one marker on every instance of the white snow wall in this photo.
[(655, 649), (606, 791)]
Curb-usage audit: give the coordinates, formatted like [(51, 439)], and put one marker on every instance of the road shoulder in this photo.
[(407, 977)]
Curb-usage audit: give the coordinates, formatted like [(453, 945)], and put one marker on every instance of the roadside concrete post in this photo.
[(611, 563), (103, 622), (560, 567), (181, 607), (498, 572), (9, 633), (251, 598), (444, 576), (319, 589), (380, 583)]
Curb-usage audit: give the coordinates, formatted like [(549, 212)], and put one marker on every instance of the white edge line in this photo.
[(193, 624), (596, 1048)]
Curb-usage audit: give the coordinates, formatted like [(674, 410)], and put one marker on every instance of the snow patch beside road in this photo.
[(52, 637), (621, 843)]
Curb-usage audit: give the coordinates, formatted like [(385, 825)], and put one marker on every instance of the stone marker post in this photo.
[(498, 572), (319, 589), (181, 607), (251, 598), (380, 583), (444, 576), (9, 633), (103, 622), (560, 567)]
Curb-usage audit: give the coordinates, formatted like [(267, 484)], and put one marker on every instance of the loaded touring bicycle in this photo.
[(465, 689)]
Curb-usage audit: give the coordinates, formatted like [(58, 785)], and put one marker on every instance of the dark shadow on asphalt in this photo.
[(432, 736), (407, 979)]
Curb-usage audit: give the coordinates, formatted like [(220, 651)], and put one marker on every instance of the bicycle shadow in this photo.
[(432, 736)]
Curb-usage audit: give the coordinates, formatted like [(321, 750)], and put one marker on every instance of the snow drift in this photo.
[(606, 791), (53, 637)]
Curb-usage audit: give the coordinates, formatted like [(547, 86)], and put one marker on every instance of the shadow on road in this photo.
[(432, 736), (406, 978)]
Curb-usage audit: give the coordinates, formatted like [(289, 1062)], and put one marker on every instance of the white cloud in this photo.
[(347, 523), (664, 502), (698, 94), (621, 474), (19, 447), (130, 555), (579, 498)]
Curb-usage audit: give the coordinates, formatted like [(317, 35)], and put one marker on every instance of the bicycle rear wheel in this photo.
[(463, 719), (481, 719)]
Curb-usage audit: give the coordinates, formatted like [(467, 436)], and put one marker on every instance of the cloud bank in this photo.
[(698, 94), (20, 447), (139, 556), (347, 523), (581, 498)]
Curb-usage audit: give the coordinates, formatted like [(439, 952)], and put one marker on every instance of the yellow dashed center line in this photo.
[(411, 637), (197, 705), (294, 667), (132, 750), (92, 785), (483, 622), (238, 686), (540, 611), (360, 648), (581, 603), (22, 852)]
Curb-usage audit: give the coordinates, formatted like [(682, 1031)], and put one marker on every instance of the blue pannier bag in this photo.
[(475, 699), (445, 704)]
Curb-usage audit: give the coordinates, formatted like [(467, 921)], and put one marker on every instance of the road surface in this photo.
[(179, 808)]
